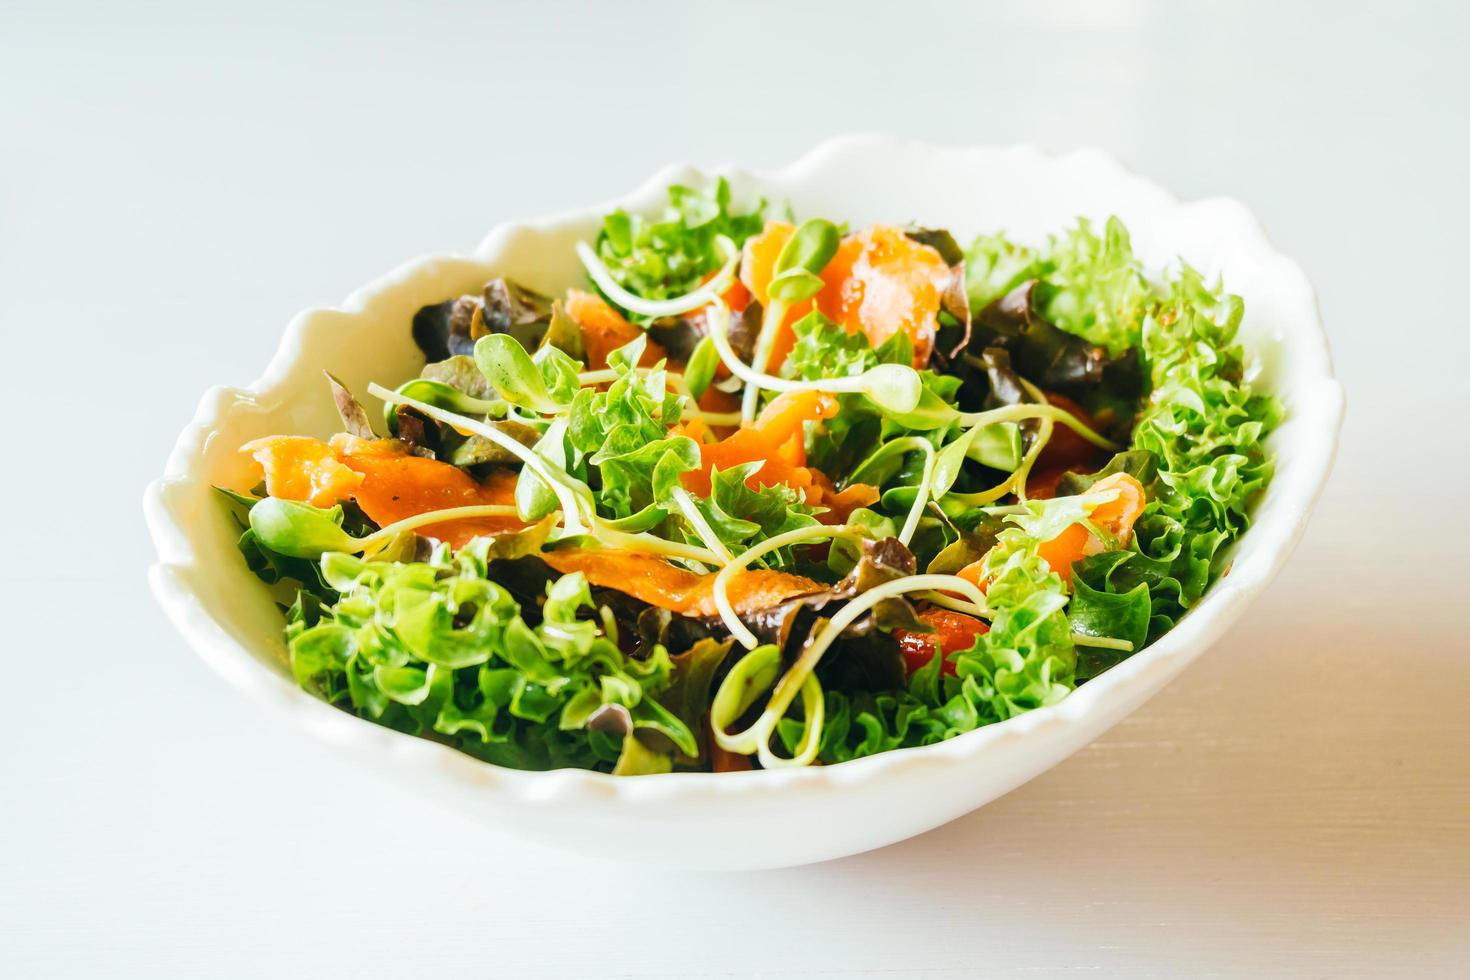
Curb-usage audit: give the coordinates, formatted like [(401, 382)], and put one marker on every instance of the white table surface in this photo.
[(176, 183)]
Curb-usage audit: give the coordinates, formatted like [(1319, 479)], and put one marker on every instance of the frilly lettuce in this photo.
[(1025, 661), (624, 433), (994, 265), (436, 648), (824, 349), (1094, 287), (1202, 424), (1090, 285), (1205, 425), (670, 257)]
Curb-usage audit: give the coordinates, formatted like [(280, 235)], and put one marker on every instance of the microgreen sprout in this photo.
[(700, 370), (300, 530), (518, 378), (743, 561), (1017, 413), (702, 530), (1102, 642), (892, 387), (795, 277), (798, 678), (898, 447), (752, 675), (442, 395), (633, 303), (571, 493)]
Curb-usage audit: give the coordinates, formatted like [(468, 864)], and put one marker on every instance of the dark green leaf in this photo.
[(939, 240), (1098, 610)]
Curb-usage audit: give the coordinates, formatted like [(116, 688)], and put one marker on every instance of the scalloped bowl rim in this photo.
[(1127, 684)]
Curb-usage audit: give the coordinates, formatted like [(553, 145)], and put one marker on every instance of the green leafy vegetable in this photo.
[(519, 380), (700, 371), (1094, 287), (272, 566), (299, 530), (1205, 426), (1097, 610), (743, 516), (623, 432), (994, 266), (437, 648), (670, 257), (824, 349), (805, 254), (691, 685)]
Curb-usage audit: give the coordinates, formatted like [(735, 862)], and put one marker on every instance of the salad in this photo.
[(762, 493)]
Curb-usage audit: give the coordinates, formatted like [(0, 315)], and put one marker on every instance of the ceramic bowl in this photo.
[(752, 819)]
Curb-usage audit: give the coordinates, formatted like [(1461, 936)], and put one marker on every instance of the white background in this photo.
[(176, 183)]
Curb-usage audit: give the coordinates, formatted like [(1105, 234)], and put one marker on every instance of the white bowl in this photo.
[(753, 819)]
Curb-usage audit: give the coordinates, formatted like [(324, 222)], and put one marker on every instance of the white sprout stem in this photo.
[(436, 517), (652, 545), (719, 324), (814, 710), (714, 418), (1102, 642), (752, 674), (757, 737), (958, 605), (921, 500), (721, 586), (1017, 413), (486, 406), (602, 376), (575, 512), (633, 303), (696, 520), (1017, 480), (606, 375), (771, 318), (787, 687), (905, 444)]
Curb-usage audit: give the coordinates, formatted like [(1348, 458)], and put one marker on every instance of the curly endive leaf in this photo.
[(436, 648)]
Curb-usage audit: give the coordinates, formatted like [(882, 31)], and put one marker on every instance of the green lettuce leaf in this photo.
[(1100, 608), (661, 259), (438, 649), (622, 434), (1093, 286), (995, 265), (1205, 426), (1025, 661), (1089, 285)]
